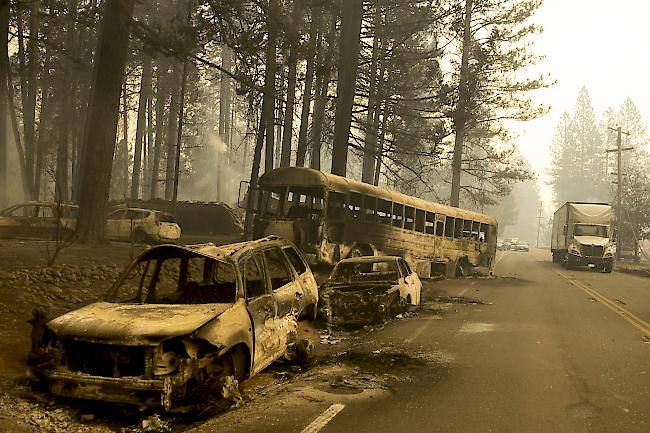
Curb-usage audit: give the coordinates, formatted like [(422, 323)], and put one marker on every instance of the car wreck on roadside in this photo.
[(367, 290), (180, 323)]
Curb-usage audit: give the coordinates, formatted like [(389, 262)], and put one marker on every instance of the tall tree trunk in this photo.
[(172, 125), (179, 132), (124, 163), (323, 77), (251, 199), (269, 86), (460, 115), (224, 117), (145, 90), (313, 47), (29, 101), (103, 117), (380, 146), (370, 141), (146, 174), (351, 15), (4, 101), (161, 99), (287, 133), (67, 109)]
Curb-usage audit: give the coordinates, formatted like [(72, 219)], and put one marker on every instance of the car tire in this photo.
[(609, 265)]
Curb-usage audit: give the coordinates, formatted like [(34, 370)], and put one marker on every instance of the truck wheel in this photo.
[(609, 265), (567, 261)]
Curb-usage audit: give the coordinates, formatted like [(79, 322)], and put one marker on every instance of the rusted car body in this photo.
[(180, 320), (365, 290), (38, 219), (141, 225), (330, 218)]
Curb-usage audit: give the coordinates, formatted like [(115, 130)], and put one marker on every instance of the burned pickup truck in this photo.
[(180, 322), (365, 290)]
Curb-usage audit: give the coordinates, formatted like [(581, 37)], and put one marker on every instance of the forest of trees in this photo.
[(183, 99), (582, 170)]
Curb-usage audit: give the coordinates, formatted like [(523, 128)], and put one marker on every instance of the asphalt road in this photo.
[(543, 350)]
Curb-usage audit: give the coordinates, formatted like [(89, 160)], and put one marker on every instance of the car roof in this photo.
[(369, 259), (229, 252)]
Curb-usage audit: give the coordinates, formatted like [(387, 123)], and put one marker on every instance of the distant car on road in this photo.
[(520, 247), (179, 323), (141, 225), (368, 289)]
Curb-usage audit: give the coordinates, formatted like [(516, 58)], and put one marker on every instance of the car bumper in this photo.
[(586, 261), (130, 390)]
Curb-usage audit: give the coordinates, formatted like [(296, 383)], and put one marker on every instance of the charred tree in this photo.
[(370, 142), (269, 86), (460, 114), (323, 77), (351, 16), (161, 100), (313, 47), (103, 117), (225, 96), (172, 125), (4, 99), (145, 91)]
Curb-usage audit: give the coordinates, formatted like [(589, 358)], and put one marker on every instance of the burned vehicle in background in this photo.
[(39, 220), (365, 290), (141, 225), (180, 322)]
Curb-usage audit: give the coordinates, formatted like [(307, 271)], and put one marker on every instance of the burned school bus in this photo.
[(330, 218)]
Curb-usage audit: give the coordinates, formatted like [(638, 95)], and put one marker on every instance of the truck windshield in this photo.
[(590, 230)]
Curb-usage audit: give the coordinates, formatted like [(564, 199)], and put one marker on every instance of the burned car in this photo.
[(38, 219), (142, 226), (180, 322), (364, 290)]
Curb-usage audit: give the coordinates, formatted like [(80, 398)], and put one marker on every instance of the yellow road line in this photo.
[(630, 317)]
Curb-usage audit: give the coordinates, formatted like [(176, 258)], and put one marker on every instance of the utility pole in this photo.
[(619, 186), (539, 224)]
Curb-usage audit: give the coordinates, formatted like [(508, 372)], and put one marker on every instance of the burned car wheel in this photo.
[(215, 386)]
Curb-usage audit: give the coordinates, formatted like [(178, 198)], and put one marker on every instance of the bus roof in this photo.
[(310, 178)]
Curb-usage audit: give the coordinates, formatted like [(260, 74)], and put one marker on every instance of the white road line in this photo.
[(324, 418), (462, 292), (503, 254)]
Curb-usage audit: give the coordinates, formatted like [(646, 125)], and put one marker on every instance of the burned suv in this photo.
[(180, 322)]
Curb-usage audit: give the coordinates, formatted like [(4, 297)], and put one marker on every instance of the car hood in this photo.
[(591, 240), (133, 324), (361, 286)]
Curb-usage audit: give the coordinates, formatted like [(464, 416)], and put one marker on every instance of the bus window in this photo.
[(440, 225), (369, 208), (384, 211), (429, 224), (467, 229), (482, 233), (458, 228), (419, 220), (409, 219), (270, 203), (336, 205), (303, 203), (398, 214), (354, 205), (475, 227), (449, 227)]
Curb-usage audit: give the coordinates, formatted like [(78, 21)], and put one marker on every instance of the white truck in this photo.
[(581, 236)]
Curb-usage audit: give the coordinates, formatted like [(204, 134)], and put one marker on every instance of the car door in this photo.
[(262, 309), (411, 281), (286, 290), (113, 221)]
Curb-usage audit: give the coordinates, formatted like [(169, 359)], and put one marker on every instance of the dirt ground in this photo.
[(344, 361)]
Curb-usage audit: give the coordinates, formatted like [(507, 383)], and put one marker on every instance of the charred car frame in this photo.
[(180, 321), (365, 290)]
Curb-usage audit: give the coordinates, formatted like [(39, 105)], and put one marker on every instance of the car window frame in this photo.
[(292, 274), (258, 257)]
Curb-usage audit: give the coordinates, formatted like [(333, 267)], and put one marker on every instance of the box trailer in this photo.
[(581, 235)]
